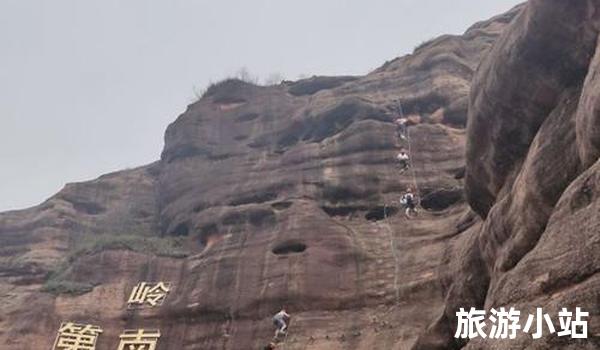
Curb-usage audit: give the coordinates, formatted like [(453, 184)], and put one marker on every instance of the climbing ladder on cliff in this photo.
[(391, 235), (394, 251), (410, 155)]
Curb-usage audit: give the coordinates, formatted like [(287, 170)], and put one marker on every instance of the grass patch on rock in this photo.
[(60, 281), (91, 244), (57, 286)]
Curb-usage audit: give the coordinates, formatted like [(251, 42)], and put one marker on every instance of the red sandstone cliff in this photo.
[(270, 196), (532, 176)]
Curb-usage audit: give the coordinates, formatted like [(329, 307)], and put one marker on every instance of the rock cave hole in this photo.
[(441, 199), (289, 247), (281, 205)]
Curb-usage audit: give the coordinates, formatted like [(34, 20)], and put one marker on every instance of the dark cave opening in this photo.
[(380, 213), (341, 210), (289, 248), (281, 205), (442, 199)]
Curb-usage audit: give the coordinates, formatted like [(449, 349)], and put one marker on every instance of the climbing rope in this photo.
[(284, 343), (412, 168), (392, 238), (394, 252)]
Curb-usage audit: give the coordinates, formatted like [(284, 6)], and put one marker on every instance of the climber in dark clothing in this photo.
[(409, 202)]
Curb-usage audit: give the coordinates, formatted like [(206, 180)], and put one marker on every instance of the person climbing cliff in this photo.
[(409, 202), (401, 124), (403, 159), (280, 321)]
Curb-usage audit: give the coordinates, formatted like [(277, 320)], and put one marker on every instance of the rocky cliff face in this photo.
[(288, 195), (532, 176)]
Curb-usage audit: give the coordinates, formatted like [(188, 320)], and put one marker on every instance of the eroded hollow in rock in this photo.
[(181, 230), (208, 234), (289, 247), (442, 199), (380, 213), (340, 194), (459, 173), (88, 207), (260, 197), (341, 210), (281, 205), (584, 196), (424, 104)]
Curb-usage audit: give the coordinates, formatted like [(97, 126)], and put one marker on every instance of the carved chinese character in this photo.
[(72, 336), (149, 294), (139, 339)]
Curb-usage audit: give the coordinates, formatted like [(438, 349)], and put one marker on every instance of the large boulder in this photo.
[(531, 175)]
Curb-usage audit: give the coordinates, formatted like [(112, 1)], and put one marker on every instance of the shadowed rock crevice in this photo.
[(282, 205), (584, 195), (88, 207), (253, 216), (260, 197), (313, 85), (459, 173), (441, 199), (381, 213), (181, 230), (424, 105), (337, 194), (343, 211), (316, 128), (205, 233)]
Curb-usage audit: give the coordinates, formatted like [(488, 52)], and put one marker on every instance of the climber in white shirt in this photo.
[(279, 320), (403, 160)]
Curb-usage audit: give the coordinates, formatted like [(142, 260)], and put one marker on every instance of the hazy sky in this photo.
[(88, 87)]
